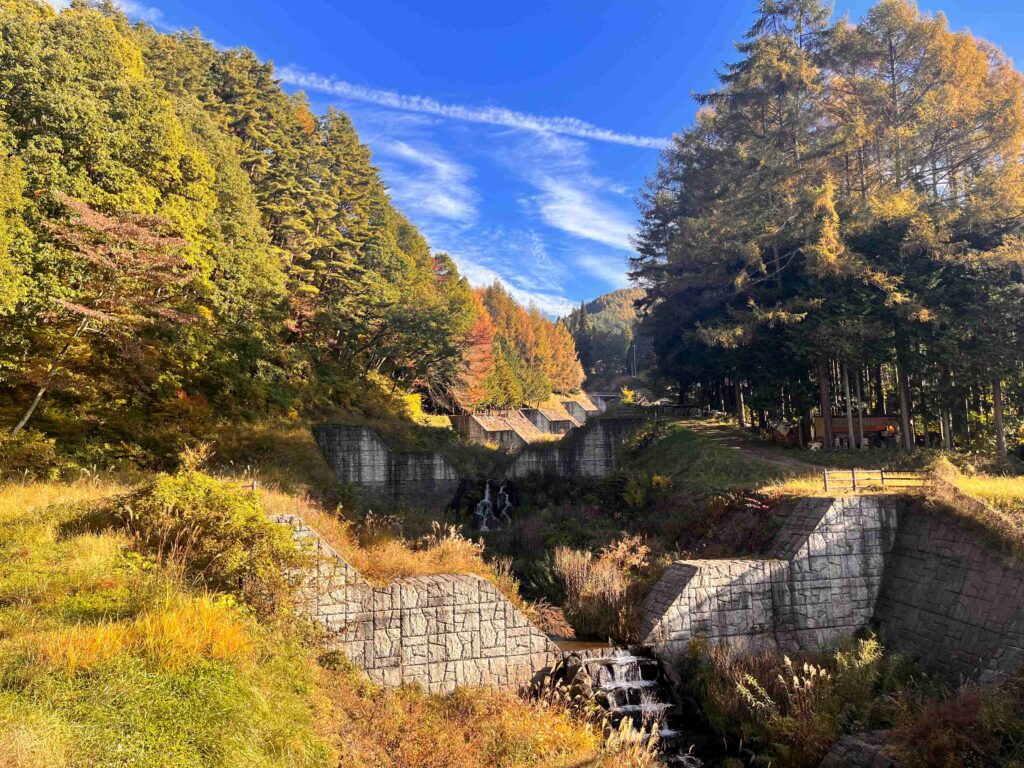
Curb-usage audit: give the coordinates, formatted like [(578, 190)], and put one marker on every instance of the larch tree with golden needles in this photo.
[(840, 224)]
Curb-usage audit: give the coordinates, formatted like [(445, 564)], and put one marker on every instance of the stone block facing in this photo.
[(439, 631), (820, 580), (934, 590), (358, 456), (948, 599), (589, 451)]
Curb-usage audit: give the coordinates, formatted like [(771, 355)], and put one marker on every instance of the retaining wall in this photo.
[(589, 451), (932, 587), (437, 631), (951, 600), (358, 456), (819, 581)]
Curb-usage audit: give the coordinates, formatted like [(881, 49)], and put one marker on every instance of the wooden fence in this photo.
[(855, 479)]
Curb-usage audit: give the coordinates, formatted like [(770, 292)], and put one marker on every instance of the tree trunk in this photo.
[(31, 409), (860, 413), (903, 383), (879, 392), (741, 417), (849, 407), (50, 372), (825, 403), (997, 407)]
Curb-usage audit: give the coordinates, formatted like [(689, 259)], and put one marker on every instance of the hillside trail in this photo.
[(753, 449)]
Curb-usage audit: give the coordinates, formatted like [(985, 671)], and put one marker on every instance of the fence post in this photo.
[(824, 474), (853, 476), (881, 477)]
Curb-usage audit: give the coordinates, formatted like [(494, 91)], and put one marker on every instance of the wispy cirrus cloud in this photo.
[(554, 304), (134, 10), (573, 207), (611, 269), (426, 181), (568, 126), (569, 197)]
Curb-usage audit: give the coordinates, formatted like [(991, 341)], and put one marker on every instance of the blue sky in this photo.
[(515, 134)]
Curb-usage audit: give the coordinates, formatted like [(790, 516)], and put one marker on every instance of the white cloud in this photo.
[(134, 10), (611, 269), (554, 304), (542, 266), (142, 12), (570, 206), (568, 196), (426, 181), (569, 126)]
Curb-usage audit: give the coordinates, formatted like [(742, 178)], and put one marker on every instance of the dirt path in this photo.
[(753, 449)]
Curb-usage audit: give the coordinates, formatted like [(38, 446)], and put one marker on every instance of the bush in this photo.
[(218, 533), (791, 710), (603, 593), (974, 726), (29, 455)]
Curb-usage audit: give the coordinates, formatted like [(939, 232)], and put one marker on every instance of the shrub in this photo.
[(603, 593), (792, 710), (29, 455), (974, 726), (218, 533)]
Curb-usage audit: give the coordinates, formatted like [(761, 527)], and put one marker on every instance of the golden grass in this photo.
[(385, 557), (20, 500), (1005, 493), (470, 728), (181, 632), (30, 738), (109, 659), (812, 485)]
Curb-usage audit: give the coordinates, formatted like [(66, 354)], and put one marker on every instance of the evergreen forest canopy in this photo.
[(845, 216), (181, 238), (605, 334)]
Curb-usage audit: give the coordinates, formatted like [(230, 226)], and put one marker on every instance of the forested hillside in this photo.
[(183, 240), (519, 356), (842, 223), (605, 331)]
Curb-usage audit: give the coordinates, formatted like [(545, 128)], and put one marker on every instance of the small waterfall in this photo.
[(629, 683), (488, 515)]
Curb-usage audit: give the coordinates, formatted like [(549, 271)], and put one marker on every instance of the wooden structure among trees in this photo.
[(860, 430)]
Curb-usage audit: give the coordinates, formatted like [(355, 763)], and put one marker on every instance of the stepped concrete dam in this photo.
[(930, 587), (924, 579), (384, 475)]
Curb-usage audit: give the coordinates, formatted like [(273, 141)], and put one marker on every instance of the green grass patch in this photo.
[(694, 460), (108, 659)]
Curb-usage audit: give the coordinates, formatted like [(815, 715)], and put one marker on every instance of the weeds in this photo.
[(218, 533), (603, 593), (791, 710)]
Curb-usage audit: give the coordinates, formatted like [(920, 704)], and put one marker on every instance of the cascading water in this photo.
[(630, 684), (488, 516)]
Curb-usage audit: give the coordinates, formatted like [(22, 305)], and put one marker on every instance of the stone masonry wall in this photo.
[(357, 455), (438, 631), (949, 599), (589, 451), (931, 586), (820, 580)]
